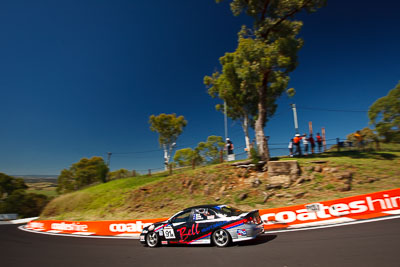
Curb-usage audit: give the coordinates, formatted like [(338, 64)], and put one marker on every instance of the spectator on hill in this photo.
[(305, 144), (319, 142), (312, 143), (296, 142), (229, 148), (360, 139), (290, 148)]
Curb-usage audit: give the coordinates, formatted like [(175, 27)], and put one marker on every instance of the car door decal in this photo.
[(169, 232), (186, 233)]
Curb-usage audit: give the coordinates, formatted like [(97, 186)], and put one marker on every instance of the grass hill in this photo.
[(161, 195)]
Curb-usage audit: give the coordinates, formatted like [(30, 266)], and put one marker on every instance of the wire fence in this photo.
[(333, 145)]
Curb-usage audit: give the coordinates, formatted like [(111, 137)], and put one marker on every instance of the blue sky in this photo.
[(81, 78)]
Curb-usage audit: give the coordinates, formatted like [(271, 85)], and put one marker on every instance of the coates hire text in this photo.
[(335, 210)]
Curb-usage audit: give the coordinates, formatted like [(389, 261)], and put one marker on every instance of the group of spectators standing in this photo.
[(296, 143)]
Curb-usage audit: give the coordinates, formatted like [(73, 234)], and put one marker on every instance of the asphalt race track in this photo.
[(367, 244)]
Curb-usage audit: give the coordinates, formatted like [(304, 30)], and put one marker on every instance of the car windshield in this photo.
[(229, 211), (181, 217)]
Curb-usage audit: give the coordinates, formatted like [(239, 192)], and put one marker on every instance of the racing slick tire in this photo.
[(152, 240), (221, 238)]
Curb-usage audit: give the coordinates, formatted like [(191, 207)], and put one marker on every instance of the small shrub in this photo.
[(318, 177), (329, 187), (254, 155)]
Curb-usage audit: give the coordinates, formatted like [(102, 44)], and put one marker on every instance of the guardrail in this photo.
[(8, 216), (342, 210)]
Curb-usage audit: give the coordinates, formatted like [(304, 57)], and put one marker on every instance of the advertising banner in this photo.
[(325, 212), (333, 211), (104, 228)]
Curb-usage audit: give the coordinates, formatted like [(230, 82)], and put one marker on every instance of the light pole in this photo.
[(225, 121), (296, 125), (226, 125), (108, 159)]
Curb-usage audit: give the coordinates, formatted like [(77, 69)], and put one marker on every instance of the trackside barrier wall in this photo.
[(348, 209)]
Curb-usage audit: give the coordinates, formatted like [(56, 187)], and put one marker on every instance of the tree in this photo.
[(82, 173), (169, 127), (26, 204), (8, 184), (367, 134), (187, 157), (231, 86), (385, 115), (228, 86), (269, 53), (89, 171), (210, 150), (118, 174), (66, 182), (15, 199)]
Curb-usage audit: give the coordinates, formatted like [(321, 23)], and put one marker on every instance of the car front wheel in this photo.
[(152, 239), (221, 238)]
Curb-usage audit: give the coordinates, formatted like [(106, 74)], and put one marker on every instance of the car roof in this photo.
[(204, 206)]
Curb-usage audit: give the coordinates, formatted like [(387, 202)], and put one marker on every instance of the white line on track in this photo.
[(70, 235), (334, 225), (267, 232)]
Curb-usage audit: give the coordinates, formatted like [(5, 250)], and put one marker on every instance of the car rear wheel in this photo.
[(152, 239), (221, 238)]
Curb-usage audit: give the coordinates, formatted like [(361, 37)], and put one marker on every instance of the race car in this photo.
[(206, 224)]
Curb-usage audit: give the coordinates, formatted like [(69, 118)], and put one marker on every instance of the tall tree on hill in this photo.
[(231, 86), (385, 115), (241, 103), (169, 127), (269, 53), (82, 173)]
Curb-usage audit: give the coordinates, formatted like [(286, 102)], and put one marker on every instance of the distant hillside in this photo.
[(38, 178), (324, 177)]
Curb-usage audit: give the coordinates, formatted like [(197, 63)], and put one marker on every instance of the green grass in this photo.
[(45, 188), (48, 193), (161, 195), (96, 201)]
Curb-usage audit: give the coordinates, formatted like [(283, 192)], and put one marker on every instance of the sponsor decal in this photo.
[(164, 242), (199, 239), (36, 224), (315, 207), (128, 227), (233, 225), (331, 210), (159, 227), (142, 238), (208, 228), (185, 233), (69, 227), (168, 232), (241, 232), (197, 217)]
